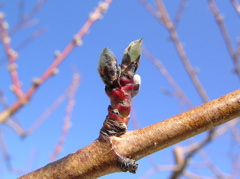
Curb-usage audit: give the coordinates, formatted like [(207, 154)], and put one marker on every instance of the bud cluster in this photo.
[(122, 84)]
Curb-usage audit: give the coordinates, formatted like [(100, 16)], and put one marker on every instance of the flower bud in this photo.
[(132, 53), (108, 68)]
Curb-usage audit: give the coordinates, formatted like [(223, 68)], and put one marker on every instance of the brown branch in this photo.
[(98, 158)]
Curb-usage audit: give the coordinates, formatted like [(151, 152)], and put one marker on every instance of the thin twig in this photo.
[(5, 152), (24, 21), (149, 7), (236, 6), (12, 56), (163, 17), (48, 112), (153, 170), (219, 19), (179, 47), (179, 13), (68, 116), (3, 100), (157, 63), (30, 38), (218, 173), (12, 124), (21, 6), (26, 42), (16, 127), (192, 149), (77, 40)]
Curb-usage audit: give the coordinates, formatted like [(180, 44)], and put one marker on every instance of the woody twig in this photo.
[(122, 84), (52, 70)]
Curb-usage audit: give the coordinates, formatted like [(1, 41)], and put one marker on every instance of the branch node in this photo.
[(36, 82), (95, 16), (113, 128), (127, 164), (6, 39), (103, 6), (11, 67), (220, 18), (77, 41), (23, 100), (13, 54), (57, 53), (55, 71)]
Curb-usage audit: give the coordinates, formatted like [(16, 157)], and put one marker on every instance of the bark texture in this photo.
[(99, 158)]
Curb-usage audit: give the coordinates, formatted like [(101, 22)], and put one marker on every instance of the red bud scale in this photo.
[(121, 86)]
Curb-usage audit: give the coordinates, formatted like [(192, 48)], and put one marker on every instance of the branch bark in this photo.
[(99, 158)]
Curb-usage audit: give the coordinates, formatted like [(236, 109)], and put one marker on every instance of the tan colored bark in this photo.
[(99, 158)]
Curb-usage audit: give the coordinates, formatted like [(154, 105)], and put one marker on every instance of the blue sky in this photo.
[(125, 21)]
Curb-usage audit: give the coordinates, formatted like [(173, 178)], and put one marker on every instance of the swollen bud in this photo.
[(132, 53), (108, 68)]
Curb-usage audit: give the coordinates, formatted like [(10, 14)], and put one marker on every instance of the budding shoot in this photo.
[(108, 68)]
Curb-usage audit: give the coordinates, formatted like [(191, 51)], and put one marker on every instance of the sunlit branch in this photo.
[(219, 19), (143, 142)]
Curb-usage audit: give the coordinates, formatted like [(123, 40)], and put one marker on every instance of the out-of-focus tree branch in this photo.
[(166, 21), (67, 120), (236, 6), (25, 19), (52, 70), (177, 90), (232, 52)]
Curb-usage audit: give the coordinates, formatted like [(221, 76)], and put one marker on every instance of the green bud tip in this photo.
[(134, 49)]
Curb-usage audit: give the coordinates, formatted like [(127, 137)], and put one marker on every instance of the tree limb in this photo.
[(99, 158)]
